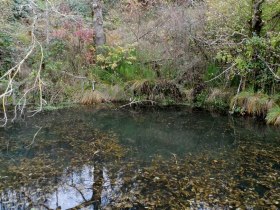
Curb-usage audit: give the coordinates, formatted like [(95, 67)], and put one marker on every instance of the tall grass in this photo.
[(273, 116), (123, 74), (104, 76), (92, 97), (158, 90), (135, 72), (256, 104), (188, 95)]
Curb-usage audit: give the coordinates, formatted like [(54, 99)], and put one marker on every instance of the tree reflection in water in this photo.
[(74, 190)]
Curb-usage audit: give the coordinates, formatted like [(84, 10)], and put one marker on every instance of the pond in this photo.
[(152, 158)]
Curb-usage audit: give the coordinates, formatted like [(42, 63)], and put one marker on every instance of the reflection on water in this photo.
[(174, 158), (72, 190)]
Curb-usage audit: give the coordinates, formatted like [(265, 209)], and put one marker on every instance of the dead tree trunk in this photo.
[(99, 38)]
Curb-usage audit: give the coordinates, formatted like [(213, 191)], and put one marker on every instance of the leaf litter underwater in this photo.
[(155, 159)]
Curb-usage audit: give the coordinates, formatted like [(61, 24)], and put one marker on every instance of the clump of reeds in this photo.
[(188, 95), (256, 104), (92, 97), (273, 116), (140, 87)]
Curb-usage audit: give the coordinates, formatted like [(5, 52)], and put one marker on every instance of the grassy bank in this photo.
[(164, 93)]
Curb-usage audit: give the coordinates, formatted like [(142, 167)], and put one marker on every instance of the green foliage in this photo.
[(114, 58), (251, 60), (6, 49), (119, 64), (168, 70), (254, 56), (54, 60), (216, 99), (212, 71), (136, 71), (201, 99), (56, 48), (104, 76), (219, 99), (271, 12), (81, 7), (20, 9), (219, 105), (224, 56), (276, 98)]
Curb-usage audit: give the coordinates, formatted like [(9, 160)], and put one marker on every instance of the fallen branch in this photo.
[(137, 102)]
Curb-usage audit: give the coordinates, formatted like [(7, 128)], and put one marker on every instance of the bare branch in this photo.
[(11, 74), (229, 68), (137, 102), (269, 68)]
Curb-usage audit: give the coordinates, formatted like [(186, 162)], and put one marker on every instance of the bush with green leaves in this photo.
[(20, 9), (254, 56), (6, 48), (120, 63)]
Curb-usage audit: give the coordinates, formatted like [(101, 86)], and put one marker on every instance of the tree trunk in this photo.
[(256, 27), (99, 38), (257, 22)]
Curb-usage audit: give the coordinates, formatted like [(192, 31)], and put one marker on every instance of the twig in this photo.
[(72, 75), (238, 90), (229, 68), (79, 191)]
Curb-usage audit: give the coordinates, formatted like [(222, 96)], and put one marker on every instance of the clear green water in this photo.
[(145, 134)]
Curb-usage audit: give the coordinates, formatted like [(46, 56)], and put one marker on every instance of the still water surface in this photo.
[(52, 161)]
